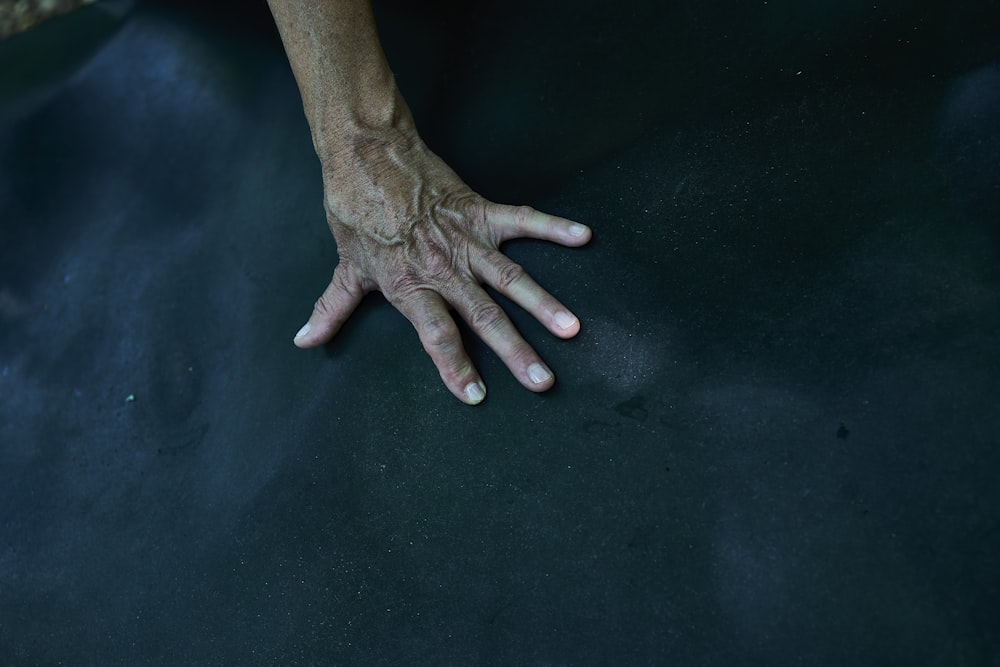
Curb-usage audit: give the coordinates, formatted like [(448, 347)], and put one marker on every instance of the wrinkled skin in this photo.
[(406, 225)]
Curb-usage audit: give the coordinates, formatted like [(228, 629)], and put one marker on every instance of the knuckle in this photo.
[(437, 259), (456, 374), (487, 317), (521, 355), (524, 354), (473, 209), (453, 367), (323, 307), (402, 284), (438, 334), (508, 275), (549, 304), (522, 214), (346, 282)]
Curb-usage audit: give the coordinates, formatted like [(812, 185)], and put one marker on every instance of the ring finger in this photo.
[(508, 278)]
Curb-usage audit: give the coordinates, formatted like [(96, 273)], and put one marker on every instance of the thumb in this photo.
[(332, 309)]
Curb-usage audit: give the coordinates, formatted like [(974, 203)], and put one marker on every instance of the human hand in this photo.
[(406, 225)]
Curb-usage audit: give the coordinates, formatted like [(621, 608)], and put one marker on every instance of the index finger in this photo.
[(511, 222)]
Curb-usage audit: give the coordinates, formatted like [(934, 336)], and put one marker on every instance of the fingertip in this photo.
[(332, 309), (565, 324), (309, 336), (475, 393), (577, 234), (302, 336), (540, 378)]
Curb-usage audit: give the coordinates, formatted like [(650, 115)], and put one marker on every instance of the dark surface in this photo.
[(774, 441)]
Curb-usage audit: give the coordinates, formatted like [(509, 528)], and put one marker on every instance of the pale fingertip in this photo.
[(565, 321), (578, 234), (539, 374), (302, 336), (475, 392)]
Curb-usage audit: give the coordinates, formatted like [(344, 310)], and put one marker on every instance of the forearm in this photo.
[(346, 84)]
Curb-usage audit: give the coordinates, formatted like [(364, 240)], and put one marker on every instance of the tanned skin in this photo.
[(405, 223)]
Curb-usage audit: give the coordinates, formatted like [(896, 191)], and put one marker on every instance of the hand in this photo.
[(406, 225)]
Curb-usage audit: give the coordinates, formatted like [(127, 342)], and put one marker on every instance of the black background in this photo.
[(774, 440)]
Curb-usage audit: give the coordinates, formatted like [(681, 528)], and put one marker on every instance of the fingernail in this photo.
[(475, 392), (564, 320), (577, 230), (538, 373), (303, 331)]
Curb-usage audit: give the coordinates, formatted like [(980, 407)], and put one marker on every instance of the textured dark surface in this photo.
[(774, 441)]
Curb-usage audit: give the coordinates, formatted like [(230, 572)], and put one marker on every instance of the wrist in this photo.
[(377, 120)]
